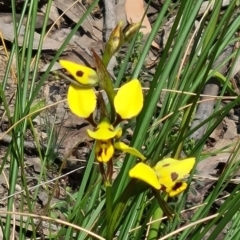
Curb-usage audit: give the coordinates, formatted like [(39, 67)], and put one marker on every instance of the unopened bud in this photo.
[(130, 30), (113, 44)]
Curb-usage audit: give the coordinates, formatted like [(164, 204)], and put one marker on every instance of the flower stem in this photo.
[(108, 203), (163, 204)]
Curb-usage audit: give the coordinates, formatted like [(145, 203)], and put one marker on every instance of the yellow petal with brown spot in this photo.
[(172, 172), (83, 74), (177, 189), (104, 151)]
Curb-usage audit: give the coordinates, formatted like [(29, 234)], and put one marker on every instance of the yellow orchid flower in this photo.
[(168, 175), (106, 136), (82, 101)]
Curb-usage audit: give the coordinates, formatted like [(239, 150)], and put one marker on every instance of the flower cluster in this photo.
[(169, 174), (82, 101)]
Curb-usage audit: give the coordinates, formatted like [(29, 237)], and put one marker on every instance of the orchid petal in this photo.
[(82, 102), (177, 189), (104, 131), (83, 74), (170, 171), (104, 150), (129, 99), (145, 173), (125, 148)]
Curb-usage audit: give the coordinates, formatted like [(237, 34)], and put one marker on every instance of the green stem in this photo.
[(106, 58), (105, 82), (119, 210), (154, 229), (108, 203), (163, 204)]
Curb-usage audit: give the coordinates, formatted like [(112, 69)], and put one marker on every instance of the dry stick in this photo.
[(108, 25), (205, 109), (109, 18), (192, 224), (41, 217), (183, 211)]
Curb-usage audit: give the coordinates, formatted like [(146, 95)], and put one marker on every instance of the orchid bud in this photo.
[(113, 44), (130, 30)]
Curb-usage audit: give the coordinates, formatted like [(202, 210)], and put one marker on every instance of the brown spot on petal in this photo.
[(99, 154), (174, 176), (163, 188), (79, 73), (177, 186), (166, 165)]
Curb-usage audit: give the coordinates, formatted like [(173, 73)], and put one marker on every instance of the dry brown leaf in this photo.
[(54, 14), (71, 138), (7, 31), (81, 47), (135, 12), (75, 10), (8, 19)]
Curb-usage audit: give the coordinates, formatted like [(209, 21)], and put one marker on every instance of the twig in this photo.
[(108, 25), (205, 109), (109, 18)]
